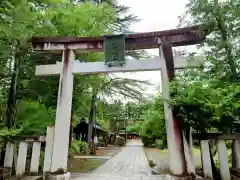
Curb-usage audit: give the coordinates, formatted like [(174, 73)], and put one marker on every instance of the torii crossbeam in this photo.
[(154, 64), (175, 37), (163, 40)]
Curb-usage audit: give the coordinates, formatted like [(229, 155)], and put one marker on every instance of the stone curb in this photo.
[(65, 176)]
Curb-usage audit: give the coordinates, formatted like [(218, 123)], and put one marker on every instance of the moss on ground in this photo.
[(78, 165)]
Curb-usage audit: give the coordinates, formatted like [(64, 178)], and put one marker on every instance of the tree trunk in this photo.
[(11, 105), (91, 117)]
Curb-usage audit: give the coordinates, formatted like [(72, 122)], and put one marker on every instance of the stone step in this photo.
[(31, 178), (106, 176)]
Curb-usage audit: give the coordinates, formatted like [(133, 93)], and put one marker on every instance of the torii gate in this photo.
[(164, 40)]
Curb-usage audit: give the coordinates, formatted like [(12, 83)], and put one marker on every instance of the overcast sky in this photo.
[(155, 15)]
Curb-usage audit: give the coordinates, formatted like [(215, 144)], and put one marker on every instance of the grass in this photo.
[(196, 151), (229, 153), (164, 151), (77, 165)]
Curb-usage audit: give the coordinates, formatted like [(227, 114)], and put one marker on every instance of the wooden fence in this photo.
[(17, 151), (220, 142), (16, 155)]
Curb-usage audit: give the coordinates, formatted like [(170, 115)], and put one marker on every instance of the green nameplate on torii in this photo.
[(114, 49)]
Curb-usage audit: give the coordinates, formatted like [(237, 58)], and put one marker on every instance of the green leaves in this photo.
[(10, 132), (203, 102), (85, 19), (33, 116), (208, 99), (37, 96), (20, 20), (78, 148)]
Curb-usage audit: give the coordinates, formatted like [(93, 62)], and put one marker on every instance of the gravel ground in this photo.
[(160, 158)]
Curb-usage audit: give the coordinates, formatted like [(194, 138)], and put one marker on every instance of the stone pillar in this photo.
[(8, 159), (36, 149), (189, 156), (191, 149), (175, 147), (15, 155), (223, 160), (63, 114), (48, 149), (21, 160), (206, 160), (236, 155)]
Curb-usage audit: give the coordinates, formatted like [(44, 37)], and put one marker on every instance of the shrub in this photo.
[(41, 160), (78, 148), (151, 163), (147, 141), (161, 143)]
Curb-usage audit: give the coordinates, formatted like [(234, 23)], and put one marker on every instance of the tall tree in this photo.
[(20, 20), (206, 98)]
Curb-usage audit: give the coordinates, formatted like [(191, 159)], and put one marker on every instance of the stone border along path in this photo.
[(129, 164)]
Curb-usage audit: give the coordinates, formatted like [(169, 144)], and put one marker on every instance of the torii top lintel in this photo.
[(176, 37)]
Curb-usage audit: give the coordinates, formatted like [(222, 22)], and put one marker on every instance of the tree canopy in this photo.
[(28, 102)]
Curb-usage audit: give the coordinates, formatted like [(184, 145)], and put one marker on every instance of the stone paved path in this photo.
[(92, 157), (130, 163)]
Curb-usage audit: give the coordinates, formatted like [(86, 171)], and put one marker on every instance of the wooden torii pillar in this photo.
[(164, 40)]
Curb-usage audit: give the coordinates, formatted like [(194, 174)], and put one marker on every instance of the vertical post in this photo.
[(188, 156), (173, 128), (15, 157), (91, 117), (36, 149), (8, 159), (63, 114), (223, 160), (191, 148), (236, 151), (41, 138), (125, 124), (21, 160), (206, 160), (48, 149)]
